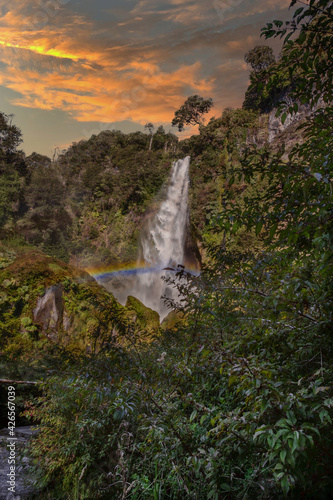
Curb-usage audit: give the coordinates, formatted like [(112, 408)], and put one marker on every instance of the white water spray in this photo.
[(163, 240)]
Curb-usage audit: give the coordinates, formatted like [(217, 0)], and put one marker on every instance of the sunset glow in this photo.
[(119, 65)]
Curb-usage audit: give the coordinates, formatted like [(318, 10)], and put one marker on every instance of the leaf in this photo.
[(235, 227), (273, 230), (259, 227), (225, 487), (259, 432), (283, 118), (263, 405), (283, 454), (202, 419), (285, 484), (301, 38), (193, 415), (297, 12), (321, 389)]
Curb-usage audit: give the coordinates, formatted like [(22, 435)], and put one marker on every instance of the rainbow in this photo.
[(130, 269)]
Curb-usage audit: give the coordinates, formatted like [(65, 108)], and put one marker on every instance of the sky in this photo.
[(72, 68)]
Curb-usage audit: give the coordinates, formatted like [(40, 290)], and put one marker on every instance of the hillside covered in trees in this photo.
[(232, 399)]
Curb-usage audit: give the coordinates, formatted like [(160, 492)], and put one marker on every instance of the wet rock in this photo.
[(23, 486)]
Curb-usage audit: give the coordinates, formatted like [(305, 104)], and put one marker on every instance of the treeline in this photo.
[(83, 204)]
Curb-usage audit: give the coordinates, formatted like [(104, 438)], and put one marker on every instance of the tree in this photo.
[(12, 170), (150, 128), (261, 60), (261, 57), (285, 291), (10, 135), (191, 112)]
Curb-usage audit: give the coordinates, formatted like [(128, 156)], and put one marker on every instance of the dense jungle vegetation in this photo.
[(87, 200), (235, 401)]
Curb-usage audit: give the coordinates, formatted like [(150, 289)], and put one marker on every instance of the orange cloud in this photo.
[(58, 67), (133, 92), (103, 72)]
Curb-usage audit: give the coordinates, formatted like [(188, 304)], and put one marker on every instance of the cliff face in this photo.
[(276, 127), (216, 157)]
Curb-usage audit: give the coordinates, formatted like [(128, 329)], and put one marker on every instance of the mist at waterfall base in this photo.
[(162, 242)]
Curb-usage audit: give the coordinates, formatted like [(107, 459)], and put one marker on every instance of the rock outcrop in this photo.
[(49, 310), (143, 316), (275, 125)]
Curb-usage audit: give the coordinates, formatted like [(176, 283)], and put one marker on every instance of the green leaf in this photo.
[(235, 227), (259, 227), (285, 485), (297, 12), (283, 118), (225, 487), (193, 415), (272, 231), (283, 454), (202, 419), (263, 405)]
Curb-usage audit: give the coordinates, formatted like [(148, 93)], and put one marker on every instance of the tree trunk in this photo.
[(13, 382)]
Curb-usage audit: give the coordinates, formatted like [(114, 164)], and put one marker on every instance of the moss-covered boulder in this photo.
[(172, 320), (143, 316)]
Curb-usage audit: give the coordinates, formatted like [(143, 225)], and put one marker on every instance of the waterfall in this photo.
[(163, 240)]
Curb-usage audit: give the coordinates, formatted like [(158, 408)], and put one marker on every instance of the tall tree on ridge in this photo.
[(191, 112)]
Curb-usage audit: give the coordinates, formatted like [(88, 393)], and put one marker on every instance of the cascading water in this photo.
[(162, 246), (163, 240)]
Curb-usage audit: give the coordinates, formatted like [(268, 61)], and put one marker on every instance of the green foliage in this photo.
[(10, 136), (261, 57), (142, 315), (191, 112), (10, 189), (108, 182), (96, 194), (86, 314), (213, 154), (305, 64), (12, 171), (309, 54)]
